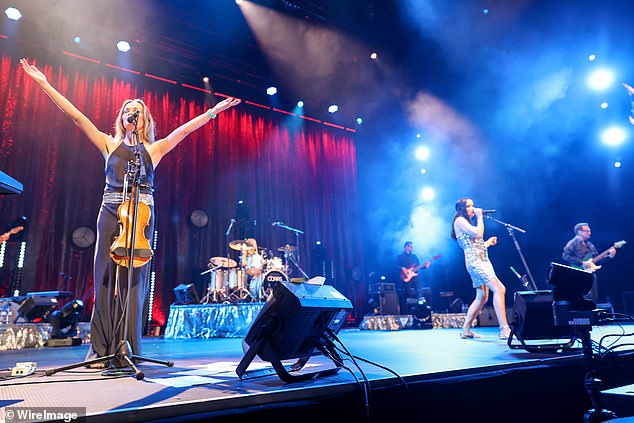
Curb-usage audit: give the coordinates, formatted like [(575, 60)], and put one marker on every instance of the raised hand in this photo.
[(32, 71), (226, 104)]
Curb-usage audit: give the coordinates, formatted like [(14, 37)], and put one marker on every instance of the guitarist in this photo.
[(409, 266), (579, 252)]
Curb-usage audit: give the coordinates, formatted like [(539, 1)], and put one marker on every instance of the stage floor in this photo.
[(203, 384)]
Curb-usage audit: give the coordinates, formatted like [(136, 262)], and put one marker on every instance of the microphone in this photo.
[(133, 116), (230, 226), (488, 211)]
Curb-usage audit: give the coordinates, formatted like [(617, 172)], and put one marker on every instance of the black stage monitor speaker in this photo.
[(186, 294), (569, 283), (532, 320), (36, 308), (296, 322)]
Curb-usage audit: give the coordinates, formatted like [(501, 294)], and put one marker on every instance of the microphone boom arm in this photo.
[(510, 229)]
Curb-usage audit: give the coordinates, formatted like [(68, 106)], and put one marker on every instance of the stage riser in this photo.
[(205, 321)]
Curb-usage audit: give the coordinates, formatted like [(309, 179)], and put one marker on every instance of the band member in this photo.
[(470, 237), (111, 280), (580, 252), (410, 283)]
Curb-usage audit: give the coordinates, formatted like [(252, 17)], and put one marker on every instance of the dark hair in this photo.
[(407, 243), (461, 210), (579, 225)]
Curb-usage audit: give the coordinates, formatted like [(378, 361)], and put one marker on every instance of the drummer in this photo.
[(253, 261)]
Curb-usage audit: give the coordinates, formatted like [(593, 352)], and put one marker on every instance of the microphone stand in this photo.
[(227, 238), (510, 229), (123, 353), (297, 233)]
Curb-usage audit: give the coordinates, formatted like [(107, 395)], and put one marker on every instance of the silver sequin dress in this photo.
[(476, 259)]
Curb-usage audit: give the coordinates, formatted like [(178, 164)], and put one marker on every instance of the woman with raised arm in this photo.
[(470, 237), (107, 321)]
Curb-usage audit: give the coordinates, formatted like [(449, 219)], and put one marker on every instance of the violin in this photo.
[(120, 248)]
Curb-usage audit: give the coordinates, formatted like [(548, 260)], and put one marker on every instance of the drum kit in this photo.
[(250, 280)]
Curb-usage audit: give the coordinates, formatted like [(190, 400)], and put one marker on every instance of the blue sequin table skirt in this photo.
[(188, 321)]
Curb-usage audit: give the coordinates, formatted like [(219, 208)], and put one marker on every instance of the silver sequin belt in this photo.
[(118, 198)]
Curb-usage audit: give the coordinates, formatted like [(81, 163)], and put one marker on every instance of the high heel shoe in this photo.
[(505, 332), (469, 335)]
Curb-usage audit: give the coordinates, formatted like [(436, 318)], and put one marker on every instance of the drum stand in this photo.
[(214, 295), (289, 256)]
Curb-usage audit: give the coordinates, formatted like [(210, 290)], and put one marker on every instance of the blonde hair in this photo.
[(146, 134)]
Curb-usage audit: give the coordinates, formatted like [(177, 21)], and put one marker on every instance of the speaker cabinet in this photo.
[(532, 320), (488, 317), (388, 302), (386, 295)]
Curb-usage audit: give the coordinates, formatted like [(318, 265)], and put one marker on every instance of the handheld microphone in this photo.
[(133, 116), (488, 211)]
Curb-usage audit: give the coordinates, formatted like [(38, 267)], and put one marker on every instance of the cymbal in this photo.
[(221, 262), (242, 245), (287, 248)]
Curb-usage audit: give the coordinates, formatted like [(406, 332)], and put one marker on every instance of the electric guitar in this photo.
[(408, 273), (5, 236), (590, 263)]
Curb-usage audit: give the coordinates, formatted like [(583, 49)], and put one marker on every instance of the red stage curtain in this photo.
[(284, 168)]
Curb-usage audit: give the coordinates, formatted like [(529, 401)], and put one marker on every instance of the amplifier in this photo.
[(381, 288)]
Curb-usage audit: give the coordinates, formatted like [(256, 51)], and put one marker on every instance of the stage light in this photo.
[(13, 13), (428, 194), (64, 321), (604, 105), (617, 164), (296, 322), (422, 153), (600, 79), (271, 90), (374, 55), (333, 108), (300, 103), (186, 294), (423, 171), (238, 2), (613, 136), (359, 121), (418, 136), (123, 46), (77, 39), (206, 79), (592, 57)]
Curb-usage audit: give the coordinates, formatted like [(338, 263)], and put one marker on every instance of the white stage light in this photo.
[(333, 108), (271, 90), (600, 79), (123, 46), (13, 13), (613, 136)]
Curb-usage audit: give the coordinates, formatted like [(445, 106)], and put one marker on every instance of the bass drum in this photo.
[(270, 279)]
